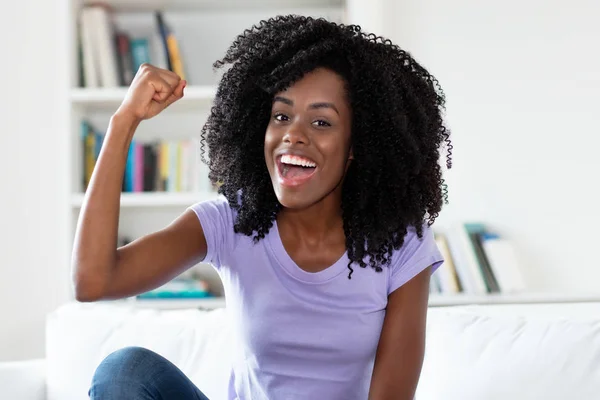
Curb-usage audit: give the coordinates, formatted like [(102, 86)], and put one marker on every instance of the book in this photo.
[(179, 288), (88, 57), (110, 57), (99, 47), (129, 178), (163, 33), (127, 69), (483, 261), (504, 263), (465, 261), (154, 166), (171, 46), (91, 141), (140, 52), (475, 231), (448, 279)]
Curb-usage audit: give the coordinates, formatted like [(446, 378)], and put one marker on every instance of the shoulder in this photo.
[(416, 254), (218, 207), (217, 219)]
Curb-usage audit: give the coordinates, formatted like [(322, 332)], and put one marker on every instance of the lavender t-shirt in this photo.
[(302, 335)]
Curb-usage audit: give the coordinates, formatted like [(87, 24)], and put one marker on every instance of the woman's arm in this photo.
[(401, 346), (100, 269)]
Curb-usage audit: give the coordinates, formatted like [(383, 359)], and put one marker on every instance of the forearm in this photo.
[(399, 384), (401, 349), (95, 244)]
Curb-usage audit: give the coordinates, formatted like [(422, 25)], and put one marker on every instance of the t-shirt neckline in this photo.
[(290, 266)]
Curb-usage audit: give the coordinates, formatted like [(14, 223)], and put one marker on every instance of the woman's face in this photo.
[(307, 143)]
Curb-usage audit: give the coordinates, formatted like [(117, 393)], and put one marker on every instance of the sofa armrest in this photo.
[(24, 380)]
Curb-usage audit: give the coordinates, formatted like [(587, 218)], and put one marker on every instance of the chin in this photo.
[(295, 200)]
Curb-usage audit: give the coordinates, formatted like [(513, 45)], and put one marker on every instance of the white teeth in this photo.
[(295, 160)]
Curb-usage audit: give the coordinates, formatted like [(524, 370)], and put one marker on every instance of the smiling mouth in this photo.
[(294, 171)]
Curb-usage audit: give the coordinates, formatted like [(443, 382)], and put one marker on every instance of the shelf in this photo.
[(177, 304), (438, 300), (434, 300), (147, 5), (153, 199), (111, 98)]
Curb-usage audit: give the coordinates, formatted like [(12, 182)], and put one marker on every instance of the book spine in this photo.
[(149, 177), (172, 167), (470, 260), (504, 262), (104, 46), (129, 168), (447, 274), (88, 57), (484, 263), (164, 166), (125, 61), (138, 182), (164, 33), (175, 56), (90, 159), (158, 166), (179, 164), (184, 160), (140, 52)]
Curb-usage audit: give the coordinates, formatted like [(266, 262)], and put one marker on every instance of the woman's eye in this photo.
[(321, 123), (280, 117)]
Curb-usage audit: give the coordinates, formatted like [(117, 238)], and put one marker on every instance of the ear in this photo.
[(349, 160)]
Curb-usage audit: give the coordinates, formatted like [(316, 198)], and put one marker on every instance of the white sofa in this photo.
[(516, 352)]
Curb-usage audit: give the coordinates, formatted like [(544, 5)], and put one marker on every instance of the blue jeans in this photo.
[(135, 373)]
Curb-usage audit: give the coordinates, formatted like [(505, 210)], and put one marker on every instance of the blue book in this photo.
[(179, 289), (130, 168), (98, 143), (140, 52)]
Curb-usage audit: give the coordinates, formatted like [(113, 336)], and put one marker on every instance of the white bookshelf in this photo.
[(133, 200), (108, 99), (178, 304), (220, 5), (204, 29), (435, 300), (443, 300)]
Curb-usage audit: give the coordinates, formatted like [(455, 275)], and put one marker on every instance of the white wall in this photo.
[(522, 85), (520, 77), (32, 201)]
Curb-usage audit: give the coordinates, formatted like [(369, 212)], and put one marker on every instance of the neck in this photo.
[(315, 223)]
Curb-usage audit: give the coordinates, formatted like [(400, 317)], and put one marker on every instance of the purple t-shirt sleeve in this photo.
[(414, 256), (217, 220)]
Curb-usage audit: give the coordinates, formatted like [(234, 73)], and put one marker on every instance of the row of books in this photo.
[(110, 57), (156, 166), (179, 288), (477, 261)]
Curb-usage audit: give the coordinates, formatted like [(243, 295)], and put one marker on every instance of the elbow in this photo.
[(87, 288), (86, 295)]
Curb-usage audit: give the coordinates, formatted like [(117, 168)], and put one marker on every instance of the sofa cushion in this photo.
[(23, 380), (519, 352), (523, 352), (80, 336)]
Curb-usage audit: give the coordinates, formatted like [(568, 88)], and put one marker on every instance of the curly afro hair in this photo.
[(395, 180)]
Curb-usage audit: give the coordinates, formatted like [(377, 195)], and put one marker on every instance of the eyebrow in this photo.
[(322, 104)]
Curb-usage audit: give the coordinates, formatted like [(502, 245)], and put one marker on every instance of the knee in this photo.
[(130, 362), (124, 372)]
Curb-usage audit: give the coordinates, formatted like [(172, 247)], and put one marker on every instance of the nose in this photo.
[(295, 135)]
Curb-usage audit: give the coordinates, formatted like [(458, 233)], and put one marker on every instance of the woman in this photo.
[(325, 142)]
